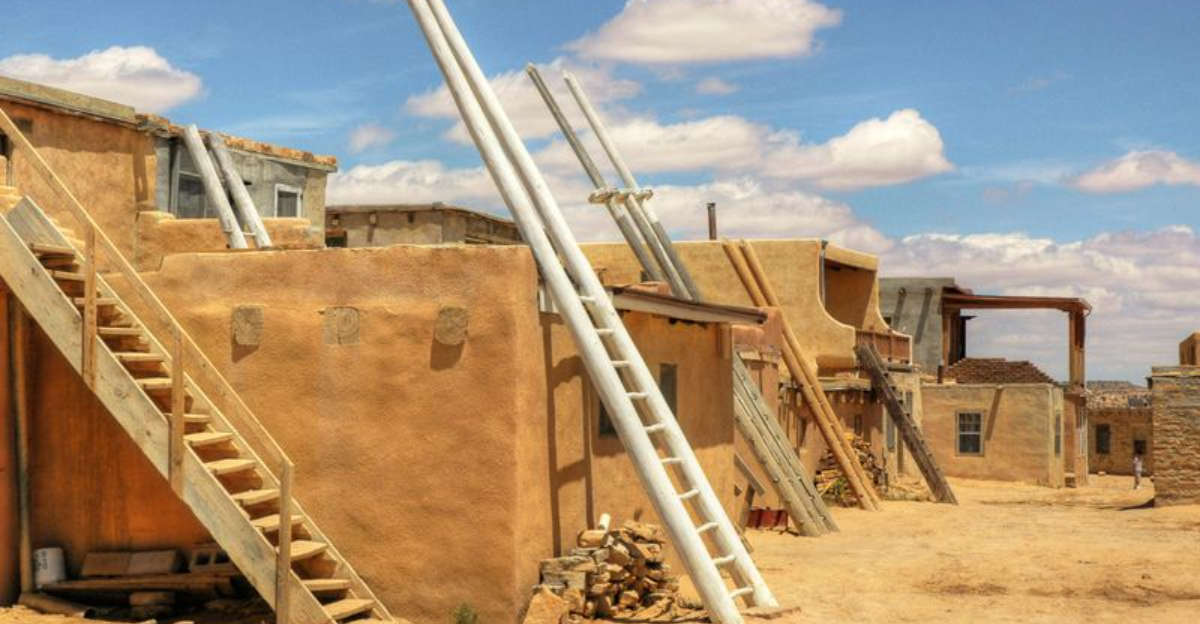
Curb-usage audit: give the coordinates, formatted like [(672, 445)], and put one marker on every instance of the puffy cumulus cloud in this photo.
[(673, 32), (407, 181), (136, 76), (370, 136), (524, 105), (716, 86), (1137, 170), (1139, 283), (875, 152)]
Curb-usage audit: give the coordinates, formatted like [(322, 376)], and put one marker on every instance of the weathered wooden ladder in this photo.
[(174, 404), (869, 359), (641, 416), (641, 229)]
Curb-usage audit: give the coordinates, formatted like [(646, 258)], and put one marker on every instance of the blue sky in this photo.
[(1024, 147)]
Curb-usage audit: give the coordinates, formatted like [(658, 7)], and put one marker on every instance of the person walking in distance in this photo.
[(1137, 471)]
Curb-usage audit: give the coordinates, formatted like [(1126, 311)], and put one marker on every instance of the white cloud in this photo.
[(405, 181), (524, 105), (875, 152), (1138, 282), (370, 136), (1137, 170), (136, 76), (716, 86), (707, 31)]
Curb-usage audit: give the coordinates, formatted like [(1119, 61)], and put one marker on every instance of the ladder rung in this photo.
[(229, 466), (620, 363), (724, 561), (155, 383), (101, 302), (604, 331), (705, 528), (67, 276), (672, 460), (638, 396), (207, 438), (50, 250), (138, 356), (689, 494), (655, 428), (326, 585), (270, 524), (741, 591), (250, 498), (119, 331), (587, 299)]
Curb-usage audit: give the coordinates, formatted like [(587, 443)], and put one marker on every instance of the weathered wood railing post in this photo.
[(178, 407), (283, 564), (89, 307)]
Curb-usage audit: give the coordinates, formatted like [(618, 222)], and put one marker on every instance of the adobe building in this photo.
[(996, 420), (830, 295), (1175, 401), (415, 224), (442, 368), (932, 311), (1122, 426)]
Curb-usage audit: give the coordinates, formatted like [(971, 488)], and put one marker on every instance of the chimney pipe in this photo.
[(712, 221)]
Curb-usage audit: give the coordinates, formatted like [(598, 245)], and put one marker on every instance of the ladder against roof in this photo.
[(188, 435), (665, 463), (870, 361)]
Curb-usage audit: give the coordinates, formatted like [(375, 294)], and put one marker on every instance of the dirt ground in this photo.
[(1008, 553)]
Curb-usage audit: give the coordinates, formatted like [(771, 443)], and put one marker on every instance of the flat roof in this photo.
[(638, 300), (963, 299), (405, 208)]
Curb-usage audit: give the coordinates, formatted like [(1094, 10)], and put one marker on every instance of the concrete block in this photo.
[(155, 562)]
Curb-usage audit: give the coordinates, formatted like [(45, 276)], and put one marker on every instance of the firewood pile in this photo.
[(832, 484), (617, 573)]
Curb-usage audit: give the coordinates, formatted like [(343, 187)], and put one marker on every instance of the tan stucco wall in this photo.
[(108, 167), (794, 268), (1125, 426), (1018, 431), (160, 234)]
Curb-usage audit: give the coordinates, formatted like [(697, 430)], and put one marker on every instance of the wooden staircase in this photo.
[(213, 468), (870, 361)]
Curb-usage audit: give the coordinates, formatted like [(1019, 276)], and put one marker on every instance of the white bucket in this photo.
[(48, 566)]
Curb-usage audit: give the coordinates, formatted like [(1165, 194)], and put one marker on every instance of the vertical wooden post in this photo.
[(89, 308), (283, 565), (19, 346), (712, 221), (178, 405)]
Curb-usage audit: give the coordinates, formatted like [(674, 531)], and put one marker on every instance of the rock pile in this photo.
[(619, 573)]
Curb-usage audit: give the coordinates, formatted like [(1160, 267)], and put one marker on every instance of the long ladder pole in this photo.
[(636, 205), (471, 92), (212, 187), (237, 188)]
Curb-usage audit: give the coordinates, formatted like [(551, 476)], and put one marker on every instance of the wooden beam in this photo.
[(90, 310), (19, 359), (283, 561), (178, 414)]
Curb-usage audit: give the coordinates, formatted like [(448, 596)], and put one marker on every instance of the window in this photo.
[(1058, 434), (336, 240), (668, 382), (288, 202), (970, 433), (190, 201), (1103, 439), (1139, 447)]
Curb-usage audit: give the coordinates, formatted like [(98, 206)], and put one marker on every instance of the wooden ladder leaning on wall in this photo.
[(174, 404)]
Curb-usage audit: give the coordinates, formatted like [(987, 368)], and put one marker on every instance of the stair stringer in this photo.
[(144, 422)]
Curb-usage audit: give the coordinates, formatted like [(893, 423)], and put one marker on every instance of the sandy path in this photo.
[(1009, 553)]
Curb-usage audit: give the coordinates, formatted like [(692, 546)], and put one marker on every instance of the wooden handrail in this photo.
[(232, 405)]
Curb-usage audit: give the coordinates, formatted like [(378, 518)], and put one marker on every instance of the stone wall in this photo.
[(1125, 426), (1176, 434)]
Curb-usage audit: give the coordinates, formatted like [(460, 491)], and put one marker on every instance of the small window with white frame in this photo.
[(289, 201), (970, 433)]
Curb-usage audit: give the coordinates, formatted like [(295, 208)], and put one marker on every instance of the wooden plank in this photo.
[(326, 585), (20, 354), (285, 551), (205, 438), (90, 313), (96, 564), (270, 524), (307, 549), (349, 607), (229, 466), (250, 498)]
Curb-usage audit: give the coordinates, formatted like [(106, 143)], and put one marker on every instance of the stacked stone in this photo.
[(614, 573)]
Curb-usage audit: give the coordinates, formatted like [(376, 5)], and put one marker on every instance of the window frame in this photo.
[(1103, 434), (959, 433), (176, 208), (288, 188)]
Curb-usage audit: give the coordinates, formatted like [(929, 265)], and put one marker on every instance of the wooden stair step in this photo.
[(101, 302), (349, 607), (326, 585), (250, 498), (68, 276), (41, 249), (270, 524), (229, 466), (119, 331), (194, 419), (306, 549), (138, 356), (155, 383), (207, 438)]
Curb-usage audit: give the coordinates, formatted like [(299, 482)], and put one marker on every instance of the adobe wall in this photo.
[(1189, 350), (1176, 407), (110, 168), (159, 234), (793, 266), (914, 306), (1125, 425), (1018, 431)]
